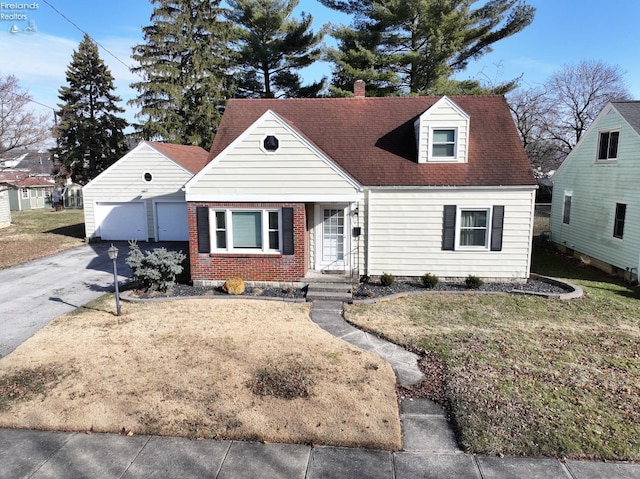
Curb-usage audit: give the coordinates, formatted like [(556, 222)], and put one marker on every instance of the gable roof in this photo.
[(191, 158), (630, 111), (373, 139)]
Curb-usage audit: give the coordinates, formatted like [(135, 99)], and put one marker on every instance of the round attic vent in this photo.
[(148, 177), (270, 143)]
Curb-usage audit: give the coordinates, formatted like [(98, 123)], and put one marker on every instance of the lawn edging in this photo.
[(128, 297), (573, 292)]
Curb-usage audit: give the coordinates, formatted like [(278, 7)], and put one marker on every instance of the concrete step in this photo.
[(328, 295), (341, 287)]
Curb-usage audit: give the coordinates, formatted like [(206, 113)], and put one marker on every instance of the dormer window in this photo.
[(443, 144), (442, 133)]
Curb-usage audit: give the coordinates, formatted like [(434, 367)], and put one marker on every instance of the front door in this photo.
[(332, 251)]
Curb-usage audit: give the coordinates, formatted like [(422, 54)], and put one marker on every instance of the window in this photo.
[(618, 222), (608, 145), (247, 230), (473, 228), (24, 193), (566, 209), (443, 143)]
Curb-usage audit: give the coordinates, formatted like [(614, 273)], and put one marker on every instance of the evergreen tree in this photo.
[(185, 64), (272, 46), (90, 135), (411, 46)]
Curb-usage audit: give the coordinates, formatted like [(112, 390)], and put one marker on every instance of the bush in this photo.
[(429, 280), (386, 279), (473, 282), (155, 270)]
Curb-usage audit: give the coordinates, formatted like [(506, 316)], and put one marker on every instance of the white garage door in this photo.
[(121, 221), (172, 223)]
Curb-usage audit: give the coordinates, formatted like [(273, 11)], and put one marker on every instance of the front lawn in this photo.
[(37, 233), (527, 375), (200, 368)]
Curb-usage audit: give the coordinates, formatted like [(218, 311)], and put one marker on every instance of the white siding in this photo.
[(444, 114), (124, 181), (5, 210), (404, 234), (246, 172), (596, 188)]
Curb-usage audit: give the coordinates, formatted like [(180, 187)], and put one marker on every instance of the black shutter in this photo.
[(449, 228), (496, 228), (202, 221), (287, 231)]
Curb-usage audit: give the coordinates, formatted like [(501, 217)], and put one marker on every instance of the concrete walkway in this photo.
[(429, 447)]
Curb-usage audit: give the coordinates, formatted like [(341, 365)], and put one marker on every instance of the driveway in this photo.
[(33, 294)]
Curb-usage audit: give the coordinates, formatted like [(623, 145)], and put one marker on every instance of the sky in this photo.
[(37, 40)]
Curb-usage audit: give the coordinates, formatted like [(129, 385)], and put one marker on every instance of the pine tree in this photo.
[(272, 46), (90, 136), (413, 46), (185, 66)]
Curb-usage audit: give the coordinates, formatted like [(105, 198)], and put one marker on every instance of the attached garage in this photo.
[(122, 221), (140, 196), (171, 221)]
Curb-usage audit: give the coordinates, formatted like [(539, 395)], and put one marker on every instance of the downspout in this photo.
[(367, 245)]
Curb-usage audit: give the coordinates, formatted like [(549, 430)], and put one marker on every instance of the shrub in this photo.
[(155, 270), (429, 280), (386, 279), (473, 282)]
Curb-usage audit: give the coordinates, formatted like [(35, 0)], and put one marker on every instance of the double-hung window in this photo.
[(474, 227), (608, 145), (247, 230), (566, 208), (443, 143)]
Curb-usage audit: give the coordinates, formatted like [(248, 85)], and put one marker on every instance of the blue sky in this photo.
[(563, 32)]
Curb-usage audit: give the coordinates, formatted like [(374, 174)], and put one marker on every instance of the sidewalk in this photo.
[(429, 447), (37, 455)]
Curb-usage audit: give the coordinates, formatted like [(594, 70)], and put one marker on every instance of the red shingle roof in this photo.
[(192, 158), (373, 139)]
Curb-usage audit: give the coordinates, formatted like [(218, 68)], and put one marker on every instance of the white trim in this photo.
[(228, 215), (487, 233), (345, 264), (270, 115), (431, 158), (263, 198)]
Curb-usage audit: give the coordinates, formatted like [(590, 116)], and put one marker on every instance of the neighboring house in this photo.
[(5, 210), (595, 212), (141, 197), (365, 186), (29, 175), (27, 192)]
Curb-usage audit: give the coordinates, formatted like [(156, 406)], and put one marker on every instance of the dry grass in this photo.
[(190, 368), (527, 375), (37, 233)]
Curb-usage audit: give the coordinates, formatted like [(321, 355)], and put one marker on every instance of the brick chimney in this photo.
[(358, 89)]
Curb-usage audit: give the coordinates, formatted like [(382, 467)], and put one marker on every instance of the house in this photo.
[(595, 212), (28, 176), (140, 197), (363, 186)]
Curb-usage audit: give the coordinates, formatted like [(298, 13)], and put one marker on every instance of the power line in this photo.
[(81, 30)]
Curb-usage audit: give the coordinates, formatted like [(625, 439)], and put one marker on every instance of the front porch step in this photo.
[(333, 291)]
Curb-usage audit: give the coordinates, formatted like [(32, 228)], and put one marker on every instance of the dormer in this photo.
[(442, 133)]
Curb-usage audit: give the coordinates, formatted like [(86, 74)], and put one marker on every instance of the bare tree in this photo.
[(577, 93), (552, 118), (20, 127)]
